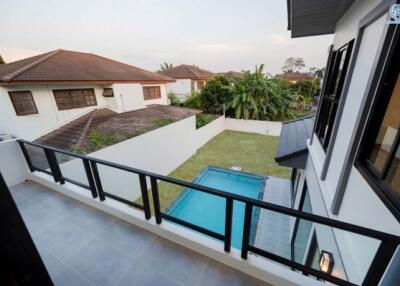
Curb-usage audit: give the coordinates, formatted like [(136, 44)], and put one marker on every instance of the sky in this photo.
[(217, 35)]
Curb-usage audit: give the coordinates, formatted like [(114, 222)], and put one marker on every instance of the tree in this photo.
[(2, 62), (293, 64), (166, 66), (215, 94)]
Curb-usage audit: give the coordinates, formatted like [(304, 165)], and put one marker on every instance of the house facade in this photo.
[(346, 161), (189, 78), (42, 93)]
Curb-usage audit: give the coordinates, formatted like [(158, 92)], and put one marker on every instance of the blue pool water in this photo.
[(208, 211)]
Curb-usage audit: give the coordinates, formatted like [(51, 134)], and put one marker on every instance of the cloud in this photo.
[(222, 49), (12, 54), (280, 40)]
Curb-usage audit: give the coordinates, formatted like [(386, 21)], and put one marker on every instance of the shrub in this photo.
[(203, 119), (194, 101), (215, 94), (98, 140), (173, 99), (161, 122)]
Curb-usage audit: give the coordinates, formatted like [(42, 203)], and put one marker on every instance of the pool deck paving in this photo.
[(273, 231), (80, 245)]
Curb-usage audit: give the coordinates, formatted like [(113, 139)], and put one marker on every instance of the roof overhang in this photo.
[(79, 82), (315, 17), (293, 150)]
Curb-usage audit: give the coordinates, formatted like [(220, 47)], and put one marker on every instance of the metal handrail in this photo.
[(389, 242)]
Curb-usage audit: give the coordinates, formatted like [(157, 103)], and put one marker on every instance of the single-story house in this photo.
[(294, 77), (188, 78), (231, 75), (42, 93)]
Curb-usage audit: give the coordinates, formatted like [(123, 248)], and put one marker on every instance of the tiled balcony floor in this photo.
[(83, 246)]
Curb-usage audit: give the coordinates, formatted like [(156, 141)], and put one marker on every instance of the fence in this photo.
[(386, 250)]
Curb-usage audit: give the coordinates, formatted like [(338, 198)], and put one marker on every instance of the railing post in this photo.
[(52, 164), (145, 196), (90, 178), (228, 224), (156, 200), (97, 180), (246, 229), (379, 264), (26, 155), (57, 167)]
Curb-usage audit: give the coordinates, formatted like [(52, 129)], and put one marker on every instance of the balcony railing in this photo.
[(380, 262)]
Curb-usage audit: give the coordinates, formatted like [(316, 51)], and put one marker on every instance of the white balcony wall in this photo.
[(12, 163)]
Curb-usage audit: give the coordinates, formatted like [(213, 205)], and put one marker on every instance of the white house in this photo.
[(44, 92), (349, 167), (188, 78)]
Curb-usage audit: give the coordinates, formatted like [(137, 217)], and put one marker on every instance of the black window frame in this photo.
[(17, 106), (332, 93), (388, 76)]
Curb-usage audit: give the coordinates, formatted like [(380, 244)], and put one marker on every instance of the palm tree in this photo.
[(166, 66)]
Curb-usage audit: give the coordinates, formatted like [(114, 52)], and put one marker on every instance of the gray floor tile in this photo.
[(175, 261), (37, 193), (102, 264), (62, 205), (63, 239), (90, 219), (144, 275), (217, 274), (69, 277), (128, 238), (53, 265), (37, 218), (22, 203)]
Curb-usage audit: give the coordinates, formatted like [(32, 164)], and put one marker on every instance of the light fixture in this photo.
[(326, 262)]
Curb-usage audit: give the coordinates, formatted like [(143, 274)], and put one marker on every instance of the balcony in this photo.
[(89, 235)]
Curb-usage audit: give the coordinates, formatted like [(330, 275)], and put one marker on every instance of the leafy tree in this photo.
[(2, 62), (293, 64), (166, 66), (194, 101), (215, 93)]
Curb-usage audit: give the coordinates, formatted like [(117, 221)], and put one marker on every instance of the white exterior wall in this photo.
[(126, 97), (48, 118), (12, 163), (272, 128), (360, 204), (181, 87)]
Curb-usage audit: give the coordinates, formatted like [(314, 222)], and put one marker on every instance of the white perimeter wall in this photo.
[(159, 151), (254, 126)]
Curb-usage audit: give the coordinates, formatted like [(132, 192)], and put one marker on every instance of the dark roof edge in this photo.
[(298, 119), (291, 155), (289, 12)]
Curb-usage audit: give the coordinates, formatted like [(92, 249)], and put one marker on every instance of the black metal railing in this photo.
[(380, 262)]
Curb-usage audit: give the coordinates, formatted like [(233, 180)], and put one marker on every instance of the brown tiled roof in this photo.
[(73, 136), (231, 74), (187, 71), (294, 76), (69, 66)]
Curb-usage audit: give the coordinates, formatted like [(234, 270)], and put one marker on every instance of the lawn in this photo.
[(252, 152)]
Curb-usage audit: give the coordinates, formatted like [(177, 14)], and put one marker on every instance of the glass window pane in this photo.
[(393, 175), (303, 232), (387, 131)]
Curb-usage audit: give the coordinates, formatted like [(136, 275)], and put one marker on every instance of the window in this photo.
[(294, 183), (302, 229), (192, 85), (23, 102), (200, 85), (108, 92), (151, 92), (331, 95), (379, 155), (74, 98)]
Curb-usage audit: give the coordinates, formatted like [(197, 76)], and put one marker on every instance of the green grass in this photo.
[(161, 122), (203, 119), (252, 152)]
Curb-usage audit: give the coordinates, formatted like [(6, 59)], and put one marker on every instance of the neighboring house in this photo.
[(188, 78), (231, 75), (346, 165), (44, 92), (294, 77)]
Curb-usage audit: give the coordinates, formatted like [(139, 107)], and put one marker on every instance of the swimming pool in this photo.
[(208, 211)]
